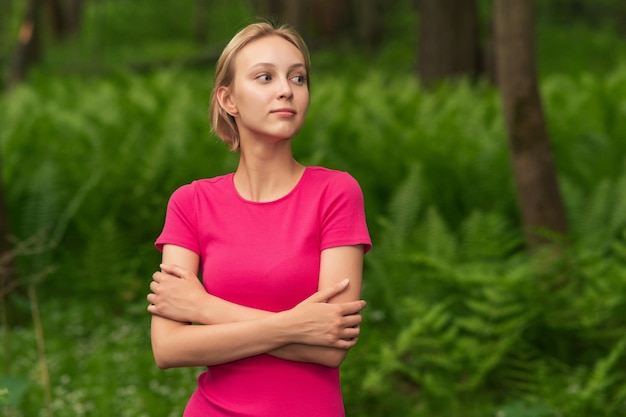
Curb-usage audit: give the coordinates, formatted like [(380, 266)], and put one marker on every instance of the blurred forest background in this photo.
[(488, 137)]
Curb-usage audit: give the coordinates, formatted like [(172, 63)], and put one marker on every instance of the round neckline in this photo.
[(278, 200)]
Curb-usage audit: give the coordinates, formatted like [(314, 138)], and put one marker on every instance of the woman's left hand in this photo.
[(177, 294)]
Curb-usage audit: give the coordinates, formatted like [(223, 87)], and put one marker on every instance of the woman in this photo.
[(279, 246)]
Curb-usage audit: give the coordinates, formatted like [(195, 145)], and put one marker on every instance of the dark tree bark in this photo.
[(7, 268), (282, 11), (369, 18), (449, 41), (74, 17), (329, 18), (57, 18), (65, 17), (292, 13), (267, 8), (200, 23), (28, 51), (538, 191), (318, 21)]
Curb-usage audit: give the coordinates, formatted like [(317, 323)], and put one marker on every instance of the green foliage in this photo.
[(101, 366), (459, 320), (12, 390)]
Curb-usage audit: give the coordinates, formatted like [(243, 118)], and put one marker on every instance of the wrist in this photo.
[(204, 310), (284, 327)]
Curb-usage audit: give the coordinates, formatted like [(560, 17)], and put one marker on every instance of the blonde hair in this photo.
[(223, 124)]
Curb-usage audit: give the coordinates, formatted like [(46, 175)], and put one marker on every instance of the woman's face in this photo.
[(269, 96)]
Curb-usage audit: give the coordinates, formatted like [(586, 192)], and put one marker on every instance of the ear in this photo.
[(225, 100)]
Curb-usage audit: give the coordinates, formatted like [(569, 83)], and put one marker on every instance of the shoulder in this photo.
[(332, 186), (189, 191), (333, 179)]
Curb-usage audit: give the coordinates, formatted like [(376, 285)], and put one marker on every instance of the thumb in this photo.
[(324, 295)]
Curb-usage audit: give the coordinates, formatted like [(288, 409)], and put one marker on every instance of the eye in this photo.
[(299, 79), (264, 77)]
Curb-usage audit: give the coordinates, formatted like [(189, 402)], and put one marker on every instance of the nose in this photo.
[(284, 90)]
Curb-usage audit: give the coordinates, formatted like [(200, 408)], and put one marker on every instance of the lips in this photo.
[(284, 112)]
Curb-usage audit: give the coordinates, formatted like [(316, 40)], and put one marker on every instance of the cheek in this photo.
[(305, 100), (251, 96)]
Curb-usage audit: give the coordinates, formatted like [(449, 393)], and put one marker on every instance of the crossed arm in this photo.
[(321, 329)]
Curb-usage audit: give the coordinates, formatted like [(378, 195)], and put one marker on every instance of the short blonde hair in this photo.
[(223, 124)]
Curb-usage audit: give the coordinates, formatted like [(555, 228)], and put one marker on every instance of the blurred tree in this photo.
[(6, 12), (200, 30), (316, 20), (369, 15), (28, 51), (448, 39), (323, 22), (7, 268), (538, 191), (65, 17)]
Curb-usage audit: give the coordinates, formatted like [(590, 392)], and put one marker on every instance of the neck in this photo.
[(267, 173)]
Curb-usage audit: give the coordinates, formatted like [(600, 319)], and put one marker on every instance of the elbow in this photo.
[(335, 358), (161, 360), (333, 364), (161, 363), (162, 357)]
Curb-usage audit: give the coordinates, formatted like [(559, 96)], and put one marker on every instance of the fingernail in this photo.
[(345, 282)]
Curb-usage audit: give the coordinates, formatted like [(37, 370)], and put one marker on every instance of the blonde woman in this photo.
[(279, 247)]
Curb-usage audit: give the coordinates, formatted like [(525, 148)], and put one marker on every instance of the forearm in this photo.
[(313, 331), (327, 356), (223, 312), (176, 344)]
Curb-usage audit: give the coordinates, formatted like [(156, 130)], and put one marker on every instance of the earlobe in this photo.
[(225, 100)]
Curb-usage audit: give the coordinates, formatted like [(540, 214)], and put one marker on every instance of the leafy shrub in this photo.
[(459, 321)]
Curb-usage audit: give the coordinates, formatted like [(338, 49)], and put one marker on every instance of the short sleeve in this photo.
[(180, 226), (343, 220)]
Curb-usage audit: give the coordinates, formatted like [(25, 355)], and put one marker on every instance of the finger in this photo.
[(175, 270), (352, 307), (350, 333), (151, 298), (352, 320), (153, 286), (324, 295), (346, 343)]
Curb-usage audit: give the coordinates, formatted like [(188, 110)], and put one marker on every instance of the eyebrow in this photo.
[(269, 64)]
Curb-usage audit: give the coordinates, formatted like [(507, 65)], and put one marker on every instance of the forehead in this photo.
[(271, 49)]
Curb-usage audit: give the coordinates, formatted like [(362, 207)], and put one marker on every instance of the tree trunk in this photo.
[(57, 18), (448, 34), (291, 13), (369, 17), (74, 17), (65, 17), (267, 8), (283, 11), (328, 19), (538, 191), (200, 23), (7, 269), (28, 51)]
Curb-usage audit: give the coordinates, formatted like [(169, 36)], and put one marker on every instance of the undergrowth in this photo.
[(460, 321)]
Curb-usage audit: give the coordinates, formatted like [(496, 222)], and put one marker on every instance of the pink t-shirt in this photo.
[(266, 256)]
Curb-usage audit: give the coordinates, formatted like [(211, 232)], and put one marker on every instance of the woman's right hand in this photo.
[(177, 294), (314, 321)]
